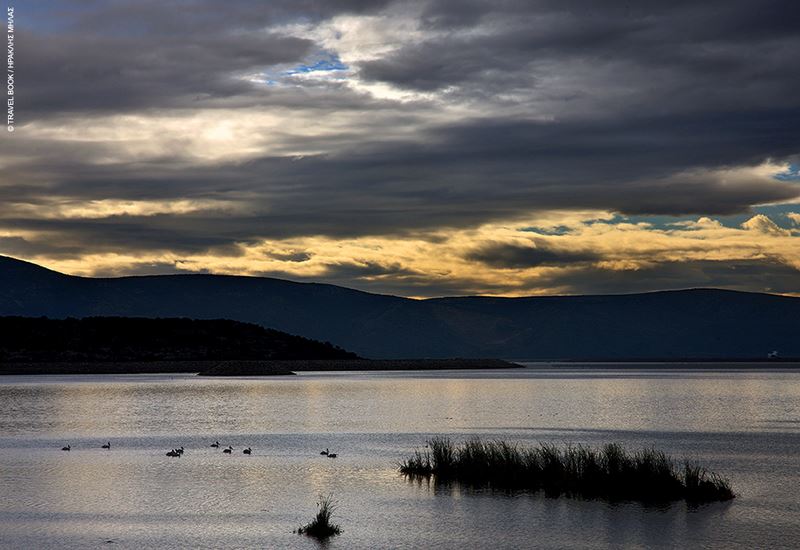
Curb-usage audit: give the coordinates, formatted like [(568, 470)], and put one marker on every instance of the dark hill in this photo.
[(696, 324), (115, 339), (685, 324)]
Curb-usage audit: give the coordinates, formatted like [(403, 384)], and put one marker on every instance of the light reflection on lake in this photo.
[(743, 423)]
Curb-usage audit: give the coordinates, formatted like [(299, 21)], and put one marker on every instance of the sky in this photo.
[(418, 148)]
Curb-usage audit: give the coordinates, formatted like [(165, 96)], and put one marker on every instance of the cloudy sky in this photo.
[(420, 148)]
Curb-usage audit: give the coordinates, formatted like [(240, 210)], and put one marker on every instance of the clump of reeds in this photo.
[(321, 527), (609, 472)]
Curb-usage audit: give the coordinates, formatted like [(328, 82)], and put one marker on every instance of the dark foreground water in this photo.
[(742, 423)]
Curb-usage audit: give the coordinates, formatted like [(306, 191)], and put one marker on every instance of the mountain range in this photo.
[(680, 324)]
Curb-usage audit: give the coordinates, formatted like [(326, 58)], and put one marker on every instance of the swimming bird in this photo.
[(173, 452), (247, 451), (67, 448), (215, 444), (179, 450), (331, 455), (324, 452), (229, 450), (106, 446)]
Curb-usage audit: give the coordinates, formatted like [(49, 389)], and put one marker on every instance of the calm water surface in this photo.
[(742, 423)]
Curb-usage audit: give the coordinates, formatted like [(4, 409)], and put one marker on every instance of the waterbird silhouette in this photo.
[(331, 455), (215, 444), (324, 452), (107, 446), (229, 450), (247, 451), (173, 452), (179, 450), (67, 448)]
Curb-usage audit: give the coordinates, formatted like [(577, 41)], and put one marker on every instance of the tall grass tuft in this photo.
[(321, 527), (609, 472)]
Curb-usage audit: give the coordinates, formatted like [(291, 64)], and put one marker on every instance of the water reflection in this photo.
[(742, 424)]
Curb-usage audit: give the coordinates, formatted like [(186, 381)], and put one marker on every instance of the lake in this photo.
[(743, 423)]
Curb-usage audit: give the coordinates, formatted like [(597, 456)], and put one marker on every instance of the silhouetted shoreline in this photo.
[(289, 367), (250, 368), (656, 364), (261, 368), (158, 340), (103, 367)]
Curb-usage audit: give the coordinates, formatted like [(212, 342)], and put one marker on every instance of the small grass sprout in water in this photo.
[(321, 527)]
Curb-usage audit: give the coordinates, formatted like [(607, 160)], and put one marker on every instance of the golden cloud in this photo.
[(446, 258)]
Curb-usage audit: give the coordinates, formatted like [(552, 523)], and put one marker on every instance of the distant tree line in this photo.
[(29, 339)]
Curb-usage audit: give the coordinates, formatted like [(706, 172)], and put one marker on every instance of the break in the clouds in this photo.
[(420, 148)]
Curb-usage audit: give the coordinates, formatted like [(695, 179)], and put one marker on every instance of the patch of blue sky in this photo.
[(655, 222), (790, 174), (564, 229), (663, 222), (559, 230), (777, 213), (322, 62), (329, 61)]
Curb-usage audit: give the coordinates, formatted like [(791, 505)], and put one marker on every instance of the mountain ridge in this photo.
[(688, 323)]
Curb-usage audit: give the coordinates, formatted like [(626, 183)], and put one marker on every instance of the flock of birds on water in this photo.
[(227, 450)]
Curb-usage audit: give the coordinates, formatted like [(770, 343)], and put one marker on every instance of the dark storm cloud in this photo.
[(291, 256), (373, 276), (70, 238), (31, 248), (114, 56), (454, 177), (707, 40), (149, 268), (630, 107), (348, 271), (515, 256), (159, 18), (767, 275), (87, 72)]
